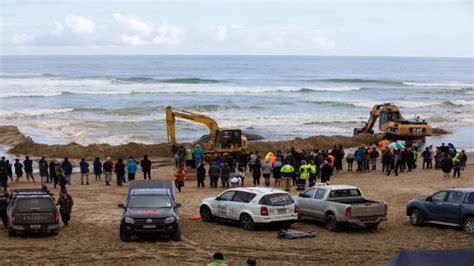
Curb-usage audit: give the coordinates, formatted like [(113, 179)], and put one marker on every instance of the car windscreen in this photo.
[(150, 201), (276, 199), (35, 205), (342, 193)]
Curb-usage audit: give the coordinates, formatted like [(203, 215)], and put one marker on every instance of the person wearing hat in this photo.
[(65, 203), (303, 175), (218, 260)]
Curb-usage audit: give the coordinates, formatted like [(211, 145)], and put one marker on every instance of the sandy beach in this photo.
[(93, 235)]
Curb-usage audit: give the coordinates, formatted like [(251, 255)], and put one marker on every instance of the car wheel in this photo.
[(246, 222), (124, 236), (11, 232), (55, 232), (286, 225), (468, 225), (331, 223), (416, 218), (177, 234), (373, 226), (206, 214)]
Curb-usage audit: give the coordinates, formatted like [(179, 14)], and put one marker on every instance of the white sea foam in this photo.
[(438, 84)]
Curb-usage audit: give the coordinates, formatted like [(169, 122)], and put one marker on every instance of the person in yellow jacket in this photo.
[(312, 173), (287, 172), (304, 172)]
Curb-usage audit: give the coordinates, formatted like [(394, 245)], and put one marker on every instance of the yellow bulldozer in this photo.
[(220, 139), (394, 126)]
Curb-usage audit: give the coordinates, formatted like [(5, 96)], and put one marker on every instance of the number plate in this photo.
[(35, 226), (281, 211), (149, 226)]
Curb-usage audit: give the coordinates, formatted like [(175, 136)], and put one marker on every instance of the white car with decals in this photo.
[(251, 206)]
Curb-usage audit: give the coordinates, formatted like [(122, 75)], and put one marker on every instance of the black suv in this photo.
[(151, 209), (32, 210)]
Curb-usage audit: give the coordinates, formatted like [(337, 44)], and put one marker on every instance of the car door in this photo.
[(435, 206), (452, 207), (224, 201), (239, 203), (318, 203), (304, 201)]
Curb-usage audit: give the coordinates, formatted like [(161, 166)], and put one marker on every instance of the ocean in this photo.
[(119, 99)]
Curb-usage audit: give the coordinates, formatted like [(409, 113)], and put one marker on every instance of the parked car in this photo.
[(250, 207), (150, 209), (32, 211), (338, 205), (453, 207)]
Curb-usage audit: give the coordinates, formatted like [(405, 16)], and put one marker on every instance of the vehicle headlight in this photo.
[(169, 220), (129, 220)]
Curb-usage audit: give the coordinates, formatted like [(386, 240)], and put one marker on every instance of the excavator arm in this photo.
[(374, 115), (171, 121)]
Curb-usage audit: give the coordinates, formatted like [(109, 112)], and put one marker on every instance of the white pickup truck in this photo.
[(338, 205)]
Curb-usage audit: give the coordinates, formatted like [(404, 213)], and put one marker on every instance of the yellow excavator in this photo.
[(394, 126), (220, 139)]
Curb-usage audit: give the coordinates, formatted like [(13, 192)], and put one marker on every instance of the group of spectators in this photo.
[(300, 167), (60, 173)]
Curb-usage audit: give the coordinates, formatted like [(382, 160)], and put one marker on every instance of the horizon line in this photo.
[(274, 55)]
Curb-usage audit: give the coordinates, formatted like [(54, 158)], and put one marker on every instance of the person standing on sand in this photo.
[(198, 154), (256, 174), (52, 173), (67, 170), (61, 178), (446, 165), (200, 175), (18, 169), (189, 158), (463, 158), (28, 169), (84, 166), (427, 159), (4, 176), (287, 173), (65, 203), (43, 170), (108, 170), (374, 154), (120, 171), (326, 172), (8, 165), (457, 166), (179, 178), (225, 175), (214, 174), (97, 169), (391, 161), (266, 172), (145, 164), (277, 171), (132, 166), (359, 158), (3, 209)]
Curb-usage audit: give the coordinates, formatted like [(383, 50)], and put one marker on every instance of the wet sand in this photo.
[(93, 234)]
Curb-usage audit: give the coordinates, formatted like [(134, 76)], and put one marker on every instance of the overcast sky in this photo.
[(359, 28)]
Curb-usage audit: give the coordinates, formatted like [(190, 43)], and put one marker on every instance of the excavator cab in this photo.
[(228, 139), (387, 115)]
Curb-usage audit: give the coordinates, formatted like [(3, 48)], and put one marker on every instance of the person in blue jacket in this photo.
[(198, 153), (84, 171), (359, 158), (67, 170), (132, 166)]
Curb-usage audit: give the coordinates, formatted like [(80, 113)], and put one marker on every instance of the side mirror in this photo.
[(217, 198), (178, 205), (300, 195), (120, 205), (428, 198)]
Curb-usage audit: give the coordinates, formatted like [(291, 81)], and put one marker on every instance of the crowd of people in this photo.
[(60, 173), (299, 168)]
